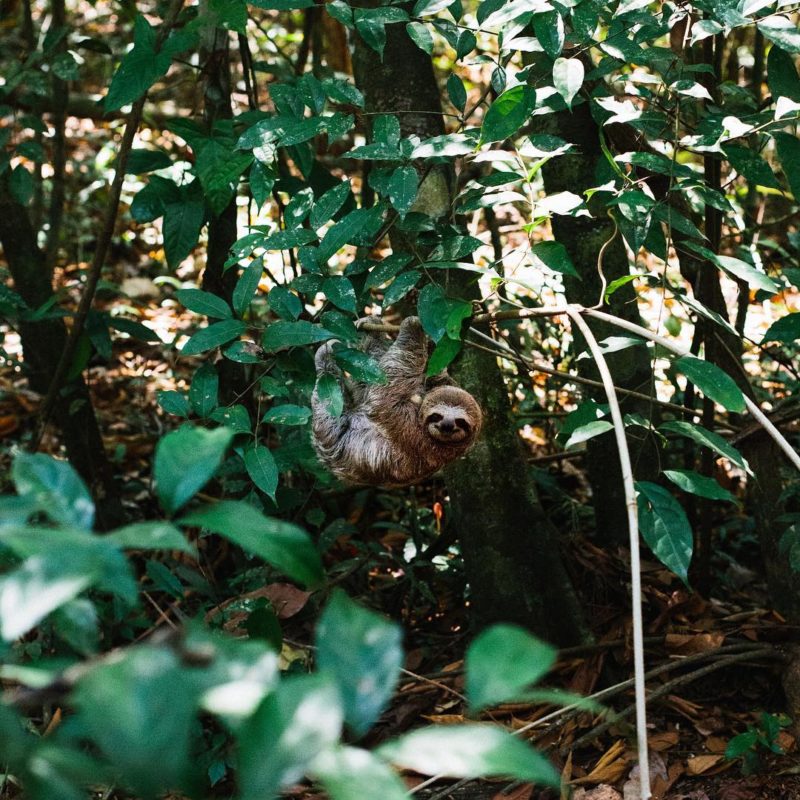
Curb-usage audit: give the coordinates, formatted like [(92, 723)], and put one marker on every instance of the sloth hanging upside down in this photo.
[(400, 432)]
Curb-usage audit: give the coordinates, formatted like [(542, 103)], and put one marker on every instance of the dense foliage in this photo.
[(639, 156)]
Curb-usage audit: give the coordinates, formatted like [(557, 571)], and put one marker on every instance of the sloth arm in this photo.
[(405, 360), (329, 429)]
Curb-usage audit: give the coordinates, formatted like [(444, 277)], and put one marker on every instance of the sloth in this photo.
[(400, 432)]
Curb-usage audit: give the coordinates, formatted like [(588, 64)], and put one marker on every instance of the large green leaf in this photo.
[(782, 31), (349, 773), (702, 486), (789, 155), (182, 224), (202, 302), (139, 69), (750, 164), (137, 708), (361, 651), (186, 460), (508, 113), (706, 438), (786, 329), (568, 78), (247, 285), (213, 336), (54, 487), (155, 535), (363, 367), (782, 75), (204, 391), (293, 725), (712, 382), (402, 189), (219, 168), (280, 335), (330, 202), (262, 469), (287, 547), (400, 287), (469, 751), (665, 528), (555, 257), (502, 663)]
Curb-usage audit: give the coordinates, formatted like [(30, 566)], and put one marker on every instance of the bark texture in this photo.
[(42, 344), (510, 549)]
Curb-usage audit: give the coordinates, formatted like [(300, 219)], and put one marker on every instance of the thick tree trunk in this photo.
[(42, 344), (511, 554)]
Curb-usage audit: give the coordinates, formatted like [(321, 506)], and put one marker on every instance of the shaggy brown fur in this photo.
[(400, 432)]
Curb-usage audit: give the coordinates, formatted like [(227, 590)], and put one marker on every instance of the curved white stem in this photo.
[(574, 314)]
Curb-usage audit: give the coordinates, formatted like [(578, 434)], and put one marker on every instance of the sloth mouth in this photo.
[(454, 436)]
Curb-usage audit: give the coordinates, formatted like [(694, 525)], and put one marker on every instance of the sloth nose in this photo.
[(446, 426)]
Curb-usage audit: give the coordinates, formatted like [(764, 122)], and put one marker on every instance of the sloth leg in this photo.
[(406, 358), (328, 429), (373, 343)]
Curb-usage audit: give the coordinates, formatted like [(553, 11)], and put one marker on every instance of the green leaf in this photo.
[(139, 69), (287, 415), (361, 651), (121, 706), (748, 163), (456, 92), (568, 78), (186, 460), (665, 528), (509, 112), (555, 257), (234, 417), (285, 546), (469, 751), (202, 302), (247, 285), (712, 382), (400, 287), (363, 367), (55, 488), (280, 335), (421, 36), (786, 329), (348, 773), (282, 5), (789, 155), (326, 207), (746, 272), (782, 75), (181, 229), (339, 290), (213, 336), (708, 439), (284, 302), (203, 393), (41, 585), (423, 8), (549, 29), (402, 189), (329, 393), (219, 168), (702, 486), (443, 354), (141, 161), (741, 744), (262, 469), (502, 662), (243, 352), (173, 403), (354, 228), (157, 535), (782, 32), (588, 431), (298, 721)]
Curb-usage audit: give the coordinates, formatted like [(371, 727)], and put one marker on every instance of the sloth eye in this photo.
[(463, 424), (434, 418)]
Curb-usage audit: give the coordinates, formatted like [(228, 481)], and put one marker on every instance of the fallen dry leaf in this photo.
[(681, 644), (610, 767), (602, 792), (700, 764), (663, 741)]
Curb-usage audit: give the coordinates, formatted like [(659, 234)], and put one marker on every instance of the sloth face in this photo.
[(450, 416)]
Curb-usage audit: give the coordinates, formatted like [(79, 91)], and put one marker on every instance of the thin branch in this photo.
[(103, 244), (633, 532)]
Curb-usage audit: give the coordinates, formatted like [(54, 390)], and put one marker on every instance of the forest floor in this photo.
[(714, 663)]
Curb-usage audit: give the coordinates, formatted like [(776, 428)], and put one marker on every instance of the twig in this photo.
[(689, 677), (103, 244)]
